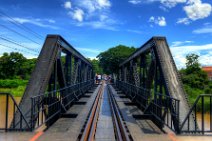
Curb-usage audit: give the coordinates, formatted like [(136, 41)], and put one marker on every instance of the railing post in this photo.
[(7, 105), (211, 113), (32, 112), (178, 117), (203, 119)]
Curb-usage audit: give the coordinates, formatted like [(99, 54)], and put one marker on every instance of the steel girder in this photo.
[(159, 82), (59, 65)]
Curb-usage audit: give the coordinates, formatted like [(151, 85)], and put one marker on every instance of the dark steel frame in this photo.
[(200, 129), (149, 77), (15, 108), (61, 76)]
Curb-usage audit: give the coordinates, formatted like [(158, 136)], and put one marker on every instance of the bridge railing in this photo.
[(47, 108), (203, 119), (11, 107), (162, 109)]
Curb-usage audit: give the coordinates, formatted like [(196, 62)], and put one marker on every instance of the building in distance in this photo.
[(208, 70)]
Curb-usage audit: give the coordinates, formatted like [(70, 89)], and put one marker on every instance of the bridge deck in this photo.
[(69, 128), (137, 128), (105, 129)]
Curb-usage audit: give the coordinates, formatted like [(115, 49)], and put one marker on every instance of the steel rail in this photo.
[(89, 131), (120, 128)]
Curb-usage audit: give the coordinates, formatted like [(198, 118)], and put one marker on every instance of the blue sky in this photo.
[(92, 26)]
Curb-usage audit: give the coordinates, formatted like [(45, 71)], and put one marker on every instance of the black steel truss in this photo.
[(60, 77), (150, 78)]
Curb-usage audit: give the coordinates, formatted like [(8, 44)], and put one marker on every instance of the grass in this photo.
[(193, 95), (14, 86), (17, 92)]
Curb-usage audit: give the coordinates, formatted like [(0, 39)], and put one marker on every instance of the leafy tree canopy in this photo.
[(96, 66), (193, 75), (15, 65), (110, 59)]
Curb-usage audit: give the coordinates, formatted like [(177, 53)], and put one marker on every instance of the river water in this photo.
[(3, 110)]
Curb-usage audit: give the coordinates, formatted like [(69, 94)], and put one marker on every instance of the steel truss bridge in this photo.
[(149, 78)]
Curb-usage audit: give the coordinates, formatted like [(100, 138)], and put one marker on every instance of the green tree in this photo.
[(110, 59), (15, 65), (96, 66), (193, 76), (192, 63), (27, 68), (10, 64)]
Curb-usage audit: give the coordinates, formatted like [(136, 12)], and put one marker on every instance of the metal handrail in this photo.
[(148, 90), (64, 88), (193, 109), (58, 103), (154, 106), (16, 105)]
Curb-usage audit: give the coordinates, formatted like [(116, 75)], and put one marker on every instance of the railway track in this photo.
[(120, 131)]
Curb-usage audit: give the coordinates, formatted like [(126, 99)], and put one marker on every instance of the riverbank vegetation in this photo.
[(15, 71), (195, 80)]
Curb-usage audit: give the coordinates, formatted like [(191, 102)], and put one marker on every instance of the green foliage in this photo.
[(193, 75), (195, 81), (110, 59), (15, 65), (192, 62), (12, 83), (15, 71), (17, 92), (208, 88), (96, 66)]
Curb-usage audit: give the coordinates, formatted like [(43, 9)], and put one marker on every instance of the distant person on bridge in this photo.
[(99, 78)]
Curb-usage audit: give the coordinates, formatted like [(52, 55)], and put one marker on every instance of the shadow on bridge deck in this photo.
[(68, 128)]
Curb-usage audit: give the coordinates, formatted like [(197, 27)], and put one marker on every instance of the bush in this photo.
[(17, 92), (13, 83), (208, 89)]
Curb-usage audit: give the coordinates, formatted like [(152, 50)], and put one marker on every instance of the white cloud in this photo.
[(103, 17), (77, 14), (171, 3), (197, 10), (67, 5), (37, 22), (88, 52), (104, 3), (107, 24), (94, 14), (51, 21), (152, 19), (205, 59), (94, 51), (94, 5), (161, 21), (31, 52), (204, 51), (185, 21), (203, 30), (165, 3), (135, 1), (179, 43), (134, 31)]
